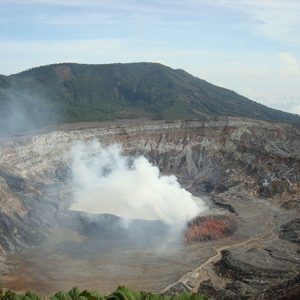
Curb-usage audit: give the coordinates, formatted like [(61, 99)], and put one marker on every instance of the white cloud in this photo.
[(275, 19), (270, 80), (279, 98), (290, 65)]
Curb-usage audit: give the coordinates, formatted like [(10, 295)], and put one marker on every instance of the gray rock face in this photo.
[(291, 231), (251, 169), (268, 273)]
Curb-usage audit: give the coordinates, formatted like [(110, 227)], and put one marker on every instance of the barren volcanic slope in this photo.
[(78, 93), (249, 172)]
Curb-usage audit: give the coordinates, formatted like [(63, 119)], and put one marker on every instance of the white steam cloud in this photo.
[(105, 181)]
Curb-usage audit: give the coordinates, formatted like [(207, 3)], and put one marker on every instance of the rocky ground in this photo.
[(256, 263), (250, 171)]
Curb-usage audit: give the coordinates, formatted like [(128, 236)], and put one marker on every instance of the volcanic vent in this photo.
[(212, 227)]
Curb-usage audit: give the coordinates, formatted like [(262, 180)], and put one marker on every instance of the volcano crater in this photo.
[(246, 171)]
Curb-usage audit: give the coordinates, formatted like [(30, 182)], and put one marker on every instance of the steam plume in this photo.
[(106, 181)]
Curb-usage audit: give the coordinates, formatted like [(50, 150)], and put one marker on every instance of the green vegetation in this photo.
[(77, 93), (122, 293)]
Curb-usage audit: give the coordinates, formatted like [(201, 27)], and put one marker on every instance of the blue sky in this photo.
[(250, 46)]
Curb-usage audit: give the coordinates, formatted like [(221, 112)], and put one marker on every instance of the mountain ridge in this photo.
[(72, 92)]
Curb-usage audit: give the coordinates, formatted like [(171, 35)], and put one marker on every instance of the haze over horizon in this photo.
[(251, 47)]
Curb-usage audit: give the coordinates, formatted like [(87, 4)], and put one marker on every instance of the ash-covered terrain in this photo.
[(244, 245)]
